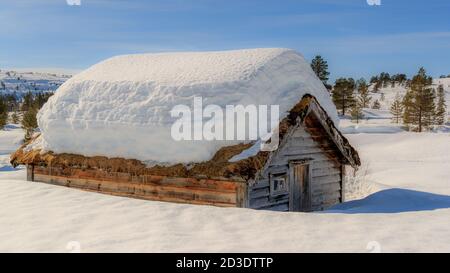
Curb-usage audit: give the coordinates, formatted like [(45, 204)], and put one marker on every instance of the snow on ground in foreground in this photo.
[(41, 217), (10, 138)]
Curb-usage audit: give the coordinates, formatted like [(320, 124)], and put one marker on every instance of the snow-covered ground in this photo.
[(403, 192), (408, 209)]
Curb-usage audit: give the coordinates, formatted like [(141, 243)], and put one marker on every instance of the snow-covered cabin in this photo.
[(108, 129)]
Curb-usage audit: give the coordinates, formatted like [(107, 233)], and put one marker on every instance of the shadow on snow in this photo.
[(393, 201)]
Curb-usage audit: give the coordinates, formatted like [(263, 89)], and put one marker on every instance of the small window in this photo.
[(278, 184)]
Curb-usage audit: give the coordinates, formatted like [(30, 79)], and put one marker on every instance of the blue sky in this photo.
[(356, 39)]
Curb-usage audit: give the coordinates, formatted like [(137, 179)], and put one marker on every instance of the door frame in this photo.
[(296, 188)]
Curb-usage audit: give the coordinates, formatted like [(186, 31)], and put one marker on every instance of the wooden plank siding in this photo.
[(325, 167), (148, 187)]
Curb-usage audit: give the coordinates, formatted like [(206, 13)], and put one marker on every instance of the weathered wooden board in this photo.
[(325, 168), (180, 190)]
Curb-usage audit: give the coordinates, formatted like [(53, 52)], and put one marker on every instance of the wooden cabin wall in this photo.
[(215, 192), (326, 176)]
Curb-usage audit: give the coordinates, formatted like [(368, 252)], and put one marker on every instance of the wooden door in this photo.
[(300, 192)]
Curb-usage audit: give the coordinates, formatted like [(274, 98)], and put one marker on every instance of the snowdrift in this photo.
[(121, 106)]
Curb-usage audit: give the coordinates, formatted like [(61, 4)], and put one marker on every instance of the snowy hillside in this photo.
[(386, 95), (444, 81), (23, 82)]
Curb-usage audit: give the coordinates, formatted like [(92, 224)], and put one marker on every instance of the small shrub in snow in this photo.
[(357, 184)]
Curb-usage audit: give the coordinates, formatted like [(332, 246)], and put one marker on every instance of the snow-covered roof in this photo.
[(121, 106)]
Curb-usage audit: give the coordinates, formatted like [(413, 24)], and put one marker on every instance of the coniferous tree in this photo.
[(31, 105), (398, 78), (377, 86), (397, 109), (15, 118), (29, 122), (320, 67), (3, 113), (385, 78), (407, 103), (343, 94), (374, 79), (441, 107), (356, 112), (27, 102), (419, 102), (376, 105), (364, 97)]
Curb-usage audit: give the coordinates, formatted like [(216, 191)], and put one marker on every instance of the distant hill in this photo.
[(445, 82), (22, 82)]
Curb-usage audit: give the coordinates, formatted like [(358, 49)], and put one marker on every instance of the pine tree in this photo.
[(3, 113), (364, 97), (376, 105), (385, 78), (15, 118), (419, 102), (407, 103), (343, 94), (373, 79), (320, 67), (27, 102), (377, 86), (441, 108), (399, 78), (29, 123), (356, 112), (397, 109)]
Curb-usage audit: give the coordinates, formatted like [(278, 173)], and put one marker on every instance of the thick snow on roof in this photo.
[(121, 106)]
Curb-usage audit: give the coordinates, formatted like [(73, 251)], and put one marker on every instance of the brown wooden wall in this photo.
[(150, 187)]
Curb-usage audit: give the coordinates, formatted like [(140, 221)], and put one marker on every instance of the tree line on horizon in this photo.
[(22, 110), (422, 106)]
